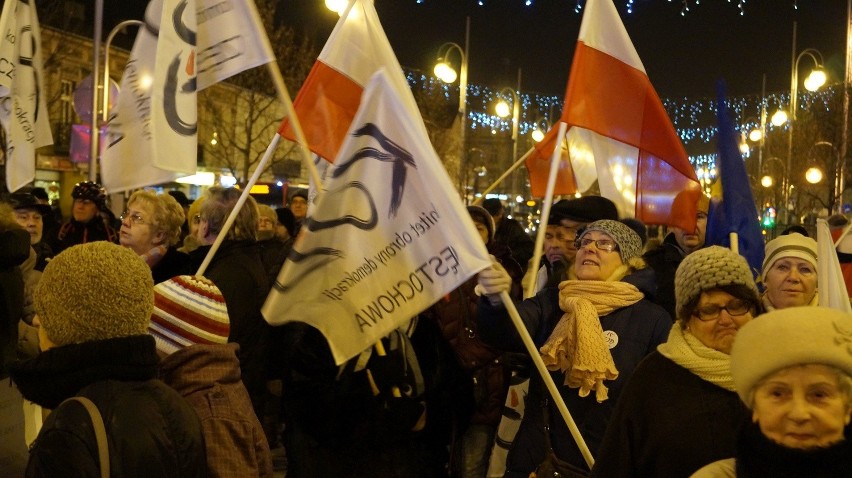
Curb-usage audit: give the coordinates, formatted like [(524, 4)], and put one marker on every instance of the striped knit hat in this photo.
[(188, 310)]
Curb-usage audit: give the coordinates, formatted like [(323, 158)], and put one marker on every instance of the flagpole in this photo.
[(243, 197), (545, 206), (505, 175), (545, 375), (96, 58)]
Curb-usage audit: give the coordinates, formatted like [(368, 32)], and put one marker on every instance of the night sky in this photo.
[(683, 55)]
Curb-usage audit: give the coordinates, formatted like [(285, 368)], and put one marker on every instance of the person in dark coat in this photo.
[(591, 330), (676, 245), (86, 224), (510, 233), (679, 411), (14, 250), (93, 305), (30, 215), (151, 227), (237, 270)]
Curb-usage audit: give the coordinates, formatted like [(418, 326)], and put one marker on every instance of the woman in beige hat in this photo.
[(790, 272), (679, 411), (796, 377)]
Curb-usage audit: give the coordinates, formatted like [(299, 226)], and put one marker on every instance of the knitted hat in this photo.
[(480, 215), (707, 269), (629, 243), (584, 209), (94, 291), (188, 310), (89, 190), (791, 245), (787, 337)]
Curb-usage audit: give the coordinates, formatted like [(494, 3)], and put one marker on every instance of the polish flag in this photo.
[(618, 131), (329, 99)]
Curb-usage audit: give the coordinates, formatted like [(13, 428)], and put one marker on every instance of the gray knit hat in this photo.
[(707, 269), (94, 291), (629, 243), (786, 337)]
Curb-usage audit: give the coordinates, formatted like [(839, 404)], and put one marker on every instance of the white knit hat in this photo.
[(790, 245), (787, 337), (188, 310)]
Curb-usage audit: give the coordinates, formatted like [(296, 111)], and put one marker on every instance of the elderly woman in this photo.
[(796, 377), (790, 272), (150, 227), (679, 411), (596, 327)]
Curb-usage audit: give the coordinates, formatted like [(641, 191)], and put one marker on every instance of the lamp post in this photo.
[(813, 82), (502, 110), (833, 168), (446, 73)]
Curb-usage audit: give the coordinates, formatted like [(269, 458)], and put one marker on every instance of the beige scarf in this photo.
[(577, 345), (687, 351)]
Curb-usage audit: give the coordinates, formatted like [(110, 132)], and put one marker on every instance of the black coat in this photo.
[(173, 263), (238, 272), (14, 250), (668, 423), (639, 328), (152, 431), (73, 232), (665, 261), (510, 233)]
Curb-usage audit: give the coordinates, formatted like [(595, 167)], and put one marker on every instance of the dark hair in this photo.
[(739, 291), (493, 206), (795, 228)]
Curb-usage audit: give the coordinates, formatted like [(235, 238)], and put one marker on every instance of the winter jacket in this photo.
[(152, 431), (637, 330), (14, 250), (73, 232), (208, 377), (510, 233), (238, 272), (668, 423), (665, 261), (173, 263)]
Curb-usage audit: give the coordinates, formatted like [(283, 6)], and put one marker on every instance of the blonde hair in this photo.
[(218, 206), (168, 216)]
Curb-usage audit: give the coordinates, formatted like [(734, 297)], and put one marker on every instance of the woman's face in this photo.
[(802, 407), (791, 282), (138, 231), (482, 229), (718, 333), (593, 261)]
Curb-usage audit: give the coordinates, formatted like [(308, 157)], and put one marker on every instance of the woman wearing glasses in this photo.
[(151, 228), (680, 411), (592, 331)]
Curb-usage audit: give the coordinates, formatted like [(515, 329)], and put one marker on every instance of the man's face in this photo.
[(555, 244), (691, 242), (299, 206), (30, 219), (569, 229), (84, 210)]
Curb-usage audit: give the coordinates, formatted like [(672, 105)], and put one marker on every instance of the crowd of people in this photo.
[(674, 358)]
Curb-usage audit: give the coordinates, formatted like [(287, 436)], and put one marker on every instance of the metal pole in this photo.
[(846, 82), (516, 118), (96, 56), (463, 111), (112, 34), (794, 82)]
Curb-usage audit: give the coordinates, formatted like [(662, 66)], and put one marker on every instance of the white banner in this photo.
[(23, 110), (387, 239)]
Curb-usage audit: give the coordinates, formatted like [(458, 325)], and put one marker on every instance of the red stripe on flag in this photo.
[(615, 100), (538, 167), (325, 106)]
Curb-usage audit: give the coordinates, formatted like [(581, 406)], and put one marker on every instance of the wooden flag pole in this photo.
[(545, 207), (735, 242), (242, 200), (545, 375), (512, 168)]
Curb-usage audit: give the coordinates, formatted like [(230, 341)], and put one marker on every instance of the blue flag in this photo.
[(734, 211)]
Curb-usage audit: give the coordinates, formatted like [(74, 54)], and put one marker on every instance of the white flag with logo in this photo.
[(184, 46), (387, 239), (23, 109)]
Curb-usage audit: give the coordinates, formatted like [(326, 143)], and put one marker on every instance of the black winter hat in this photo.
[(584, 209), (27, 201)]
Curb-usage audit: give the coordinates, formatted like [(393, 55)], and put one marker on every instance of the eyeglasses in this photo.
[(607, 245), (196, 219), (134, 218), (710, 312)]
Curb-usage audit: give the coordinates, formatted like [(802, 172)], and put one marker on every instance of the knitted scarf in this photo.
[(577, 345), (153, 256), (687, 351)]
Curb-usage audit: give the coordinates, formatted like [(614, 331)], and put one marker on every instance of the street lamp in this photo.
[(815, 174), (814, 81), (502, 109), (446, 73)]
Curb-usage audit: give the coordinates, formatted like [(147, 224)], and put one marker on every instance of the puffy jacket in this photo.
[(152, 431)]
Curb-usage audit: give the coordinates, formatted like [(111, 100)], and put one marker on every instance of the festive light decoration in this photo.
[(694, 119), (629, 5)]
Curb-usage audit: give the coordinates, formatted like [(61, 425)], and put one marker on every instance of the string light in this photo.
[(629, 5)]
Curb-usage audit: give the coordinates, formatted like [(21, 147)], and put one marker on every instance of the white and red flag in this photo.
[(618, 132), (387, 239), (329, 98), (184, 47), (23, 109)]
